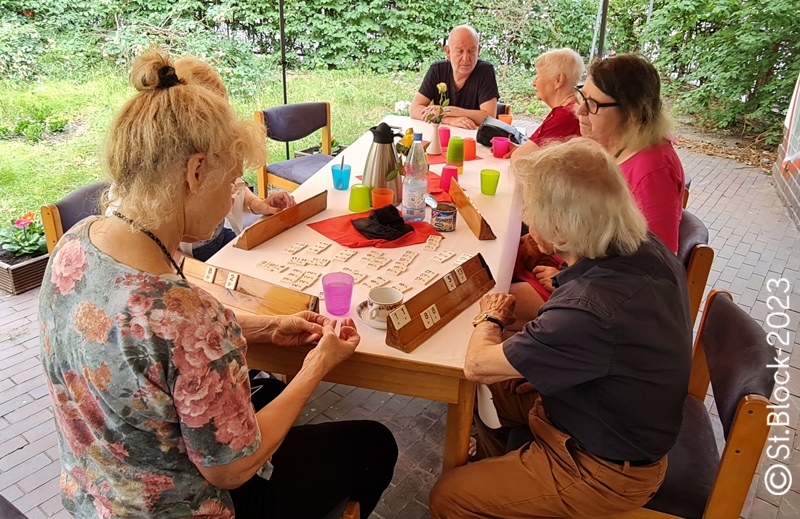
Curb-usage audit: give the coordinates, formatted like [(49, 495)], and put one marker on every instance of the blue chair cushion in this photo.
[(692, 468), (300, 169)]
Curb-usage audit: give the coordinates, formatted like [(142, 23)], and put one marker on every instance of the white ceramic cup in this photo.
[(383, 301)]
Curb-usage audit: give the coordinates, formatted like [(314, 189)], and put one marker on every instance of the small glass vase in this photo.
[(434, 148)]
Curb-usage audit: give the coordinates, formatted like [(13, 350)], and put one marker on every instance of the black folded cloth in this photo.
[(384, 223)]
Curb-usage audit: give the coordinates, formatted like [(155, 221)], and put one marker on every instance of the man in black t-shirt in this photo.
[(471, 84)]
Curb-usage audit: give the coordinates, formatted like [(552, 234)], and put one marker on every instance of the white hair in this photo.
[(574, 196), (563, 61)]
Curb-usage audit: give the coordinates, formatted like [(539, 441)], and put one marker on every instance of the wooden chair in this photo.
[(696, 257), (503, 108), (731, 352), (688, 184), (287, 123), (60, 217), (345, 510)]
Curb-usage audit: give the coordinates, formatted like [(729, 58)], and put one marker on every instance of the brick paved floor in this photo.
[(750, 230)]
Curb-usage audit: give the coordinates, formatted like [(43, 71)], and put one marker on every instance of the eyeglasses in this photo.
[(591, 105), (237, 186)]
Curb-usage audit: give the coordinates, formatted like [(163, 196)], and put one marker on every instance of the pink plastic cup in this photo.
[(448, 173), (444, 136), (338, 290), (499, 147)]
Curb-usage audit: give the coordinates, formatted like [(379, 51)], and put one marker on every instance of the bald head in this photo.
[(464, 31), (462, 49)]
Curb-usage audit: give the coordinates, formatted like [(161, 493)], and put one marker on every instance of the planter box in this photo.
[(24, 276), (315, 150)]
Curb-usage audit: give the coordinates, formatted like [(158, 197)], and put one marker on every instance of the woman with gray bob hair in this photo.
[(576, 200), (573, 205), (593, 384)]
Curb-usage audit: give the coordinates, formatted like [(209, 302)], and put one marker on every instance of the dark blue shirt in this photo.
[(611, 351)]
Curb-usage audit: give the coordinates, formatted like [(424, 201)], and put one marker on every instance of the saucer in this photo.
[(363, 314)]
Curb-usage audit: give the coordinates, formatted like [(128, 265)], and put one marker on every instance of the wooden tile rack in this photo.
[(425, 313)]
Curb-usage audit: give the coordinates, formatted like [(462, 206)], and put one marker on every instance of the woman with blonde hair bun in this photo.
[(148, 373)]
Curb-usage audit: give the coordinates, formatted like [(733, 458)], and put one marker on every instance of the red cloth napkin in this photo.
[(434, 189), (442, 158), (340, 229)]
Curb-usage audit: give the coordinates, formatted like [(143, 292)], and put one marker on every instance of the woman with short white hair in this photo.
[(557, 73), (606, 361)]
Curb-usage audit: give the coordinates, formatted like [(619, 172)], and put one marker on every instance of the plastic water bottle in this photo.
[(415, 182)]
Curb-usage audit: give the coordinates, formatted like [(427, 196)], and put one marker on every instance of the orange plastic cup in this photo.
[(469, 148), (382, 196), (506, 118)]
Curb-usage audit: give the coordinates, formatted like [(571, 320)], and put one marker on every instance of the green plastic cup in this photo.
[(360, 198), (489, 180), (455, 151)]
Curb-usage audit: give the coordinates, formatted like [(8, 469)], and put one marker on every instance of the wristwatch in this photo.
[(486, 317)]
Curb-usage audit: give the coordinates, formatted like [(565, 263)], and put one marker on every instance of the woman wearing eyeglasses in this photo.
[(244, 201), (620, 107), (147, 372)]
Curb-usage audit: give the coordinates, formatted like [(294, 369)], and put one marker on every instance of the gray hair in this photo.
[(575, 197), (565, 61)]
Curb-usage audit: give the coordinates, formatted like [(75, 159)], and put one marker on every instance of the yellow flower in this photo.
[(442, 88), (29, 216)]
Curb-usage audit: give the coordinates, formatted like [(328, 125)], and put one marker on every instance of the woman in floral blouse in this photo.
[(147, 372)]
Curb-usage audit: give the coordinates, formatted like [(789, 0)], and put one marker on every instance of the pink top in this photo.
[(655, 176)]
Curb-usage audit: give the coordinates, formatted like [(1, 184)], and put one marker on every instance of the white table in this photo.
[(435, 369)]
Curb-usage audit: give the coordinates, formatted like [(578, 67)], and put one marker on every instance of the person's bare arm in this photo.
[(275, 420), (485, 361), (520, 151), (418, 106), (457, 116)]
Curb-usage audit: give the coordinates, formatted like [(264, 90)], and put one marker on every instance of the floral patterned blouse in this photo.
[(148, 377)]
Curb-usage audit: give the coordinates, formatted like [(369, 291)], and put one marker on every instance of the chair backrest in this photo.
[(287, 123), (737, 356), (696, 257), (732, 352), (503, 108), (60, 217)]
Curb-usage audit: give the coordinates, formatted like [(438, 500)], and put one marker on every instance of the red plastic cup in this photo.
[(448, 173), (499, 147)]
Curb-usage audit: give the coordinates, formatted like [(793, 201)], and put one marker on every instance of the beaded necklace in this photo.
[(152, 237)]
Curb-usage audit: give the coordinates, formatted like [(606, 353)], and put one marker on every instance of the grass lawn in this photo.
[(35, 173)]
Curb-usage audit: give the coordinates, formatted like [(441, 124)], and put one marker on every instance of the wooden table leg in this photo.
[(459, 423)]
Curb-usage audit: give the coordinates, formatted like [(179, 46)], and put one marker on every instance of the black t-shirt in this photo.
[(481, 85), (611, 352)]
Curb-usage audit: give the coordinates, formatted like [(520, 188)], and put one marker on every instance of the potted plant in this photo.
[(23, 254), (336, 149)]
